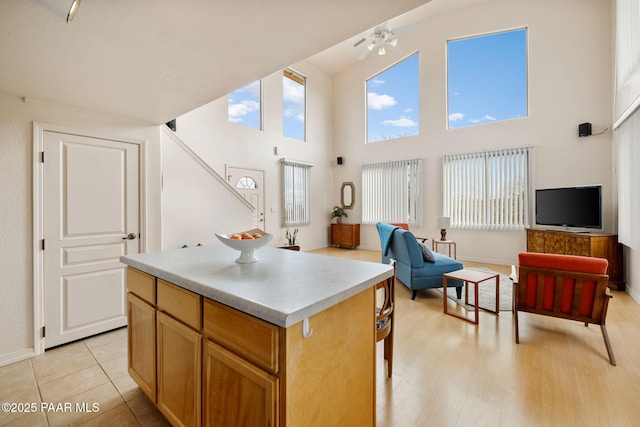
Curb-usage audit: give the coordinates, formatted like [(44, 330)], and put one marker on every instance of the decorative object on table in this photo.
[(291, 237), (444, 222), (338, 213), (246, 242)]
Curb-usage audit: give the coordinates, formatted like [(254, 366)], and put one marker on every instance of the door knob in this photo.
[(130, 236)]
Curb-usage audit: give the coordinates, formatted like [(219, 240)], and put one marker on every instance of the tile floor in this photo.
[(84, 383)]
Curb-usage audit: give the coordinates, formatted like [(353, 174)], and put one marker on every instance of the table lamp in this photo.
[(444, 222)]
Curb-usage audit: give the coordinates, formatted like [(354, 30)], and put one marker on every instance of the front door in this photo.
[(90, 218), (250, 183)]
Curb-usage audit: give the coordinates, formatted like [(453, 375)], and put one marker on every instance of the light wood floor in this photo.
[(446, 372), (451, 373)]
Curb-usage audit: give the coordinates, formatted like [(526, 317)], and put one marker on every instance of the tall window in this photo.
[(244, 106), (627, 124), (488, 190), (391, 192), (293, 105), (296, 178), (487, 78), (392, 101)]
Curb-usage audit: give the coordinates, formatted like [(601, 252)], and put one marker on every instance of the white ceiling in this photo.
[(154, 60)]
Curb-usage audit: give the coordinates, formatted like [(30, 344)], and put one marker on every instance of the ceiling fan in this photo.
[(383, 37)]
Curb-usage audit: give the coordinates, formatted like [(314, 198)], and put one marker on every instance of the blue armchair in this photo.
[(411, 268)]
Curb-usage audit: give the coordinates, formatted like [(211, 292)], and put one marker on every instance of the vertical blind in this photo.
[(627, 124), (628, 158), (391, 192), (627, 67), (487, 190), (296, 178)]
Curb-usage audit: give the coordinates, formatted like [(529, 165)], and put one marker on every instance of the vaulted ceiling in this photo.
[(153, 60)]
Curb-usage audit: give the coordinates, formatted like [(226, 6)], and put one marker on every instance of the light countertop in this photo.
[(282, 288)]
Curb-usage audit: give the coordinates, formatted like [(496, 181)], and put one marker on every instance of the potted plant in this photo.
[(291, 240), (338, 212)]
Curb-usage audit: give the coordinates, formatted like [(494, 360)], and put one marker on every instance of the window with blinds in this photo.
[(487, 190), (391, 192), (296, 178)]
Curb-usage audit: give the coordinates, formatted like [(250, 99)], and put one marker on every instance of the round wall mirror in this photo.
[(347, 195)]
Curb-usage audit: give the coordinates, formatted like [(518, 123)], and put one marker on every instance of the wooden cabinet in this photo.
[(142, 344), (203, 362), (141, 330), (345, 235), (236, 392), (583, 244), (165, 346), (179, 352)]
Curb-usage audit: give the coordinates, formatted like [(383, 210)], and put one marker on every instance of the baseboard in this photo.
[(634, 293), (486, 260), (16, 356)]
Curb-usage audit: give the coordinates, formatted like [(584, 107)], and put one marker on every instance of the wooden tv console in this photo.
[(585, 244)]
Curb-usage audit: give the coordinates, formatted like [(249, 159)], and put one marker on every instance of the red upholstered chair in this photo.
[(406, 227), (563, 286)]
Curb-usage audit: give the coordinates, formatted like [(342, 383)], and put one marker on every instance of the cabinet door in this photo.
[(535, 241), (237, 393), (179, 371), (141, 334), (579, 245), (555, 243)]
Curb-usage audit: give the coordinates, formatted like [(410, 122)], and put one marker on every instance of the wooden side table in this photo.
[(435, 243), (345, 235), (475, 277)]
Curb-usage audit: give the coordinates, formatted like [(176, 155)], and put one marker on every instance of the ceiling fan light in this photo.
[(381, 51), (393, 42), (371, 45)]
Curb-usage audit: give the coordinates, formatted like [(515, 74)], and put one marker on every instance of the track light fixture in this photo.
[(73, 10)]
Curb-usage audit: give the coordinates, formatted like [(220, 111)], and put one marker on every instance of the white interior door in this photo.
[(250, 183), (90, 218)]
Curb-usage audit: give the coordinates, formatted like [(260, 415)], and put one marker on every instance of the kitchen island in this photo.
[(289, 340)]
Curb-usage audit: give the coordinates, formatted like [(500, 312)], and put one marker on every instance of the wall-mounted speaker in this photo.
[(584, 129), (339, 160)]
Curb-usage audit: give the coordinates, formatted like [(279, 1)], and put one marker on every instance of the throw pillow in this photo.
[(427, 255)]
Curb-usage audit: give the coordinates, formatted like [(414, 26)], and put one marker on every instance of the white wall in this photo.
[(195, 204), (208, 132), (569, 83), (16, 206)]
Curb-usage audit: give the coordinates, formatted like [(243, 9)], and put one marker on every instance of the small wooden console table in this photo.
[(345, 235)]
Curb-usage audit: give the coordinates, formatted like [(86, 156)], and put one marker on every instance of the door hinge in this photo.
[(42, 157), (42, 244), (44, 332)]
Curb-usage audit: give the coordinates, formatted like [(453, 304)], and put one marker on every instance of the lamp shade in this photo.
[(444, 222)]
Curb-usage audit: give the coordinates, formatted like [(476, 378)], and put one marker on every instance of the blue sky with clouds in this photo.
[(244, 105), (393, 101), (487, 78)]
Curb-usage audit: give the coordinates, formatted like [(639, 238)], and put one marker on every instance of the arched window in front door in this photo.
[(246, 182)]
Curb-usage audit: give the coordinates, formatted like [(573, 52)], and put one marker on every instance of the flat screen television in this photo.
[(570, 206)]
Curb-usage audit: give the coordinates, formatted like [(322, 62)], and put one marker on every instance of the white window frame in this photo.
[(488, 190), (296, 195), (392, 192)]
